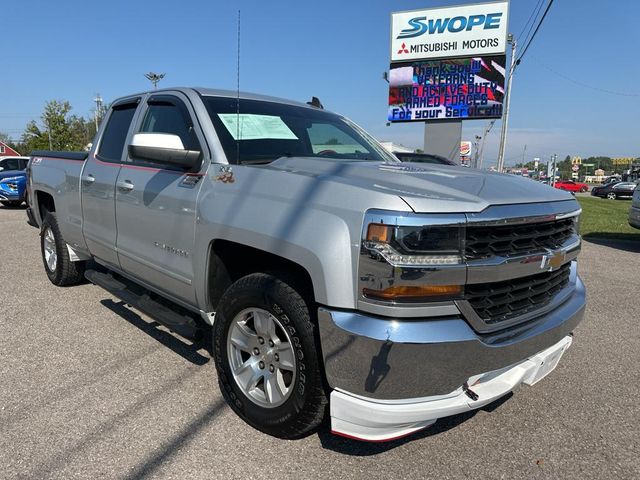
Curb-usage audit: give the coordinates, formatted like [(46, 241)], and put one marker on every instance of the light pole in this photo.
[(507, 101), (154, 78), (98, 112)]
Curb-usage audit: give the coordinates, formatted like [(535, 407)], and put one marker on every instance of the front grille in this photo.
[(500, 301), (505, 240)]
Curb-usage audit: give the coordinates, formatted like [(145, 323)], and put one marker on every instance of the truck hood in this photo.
[(426, 188)]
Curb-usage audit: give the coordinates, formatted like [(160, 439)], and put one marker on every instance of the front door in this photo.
[(156, 205), (98, 183)]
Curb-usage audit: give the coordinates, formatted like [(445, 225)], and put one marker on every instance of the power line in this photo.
[(585, 85), (534, 33), (533, 16)]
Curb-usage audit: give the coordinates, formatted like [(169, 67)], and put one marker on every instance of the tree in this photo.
[(33, 138), (61, 131), (528, 165), (564, 167)]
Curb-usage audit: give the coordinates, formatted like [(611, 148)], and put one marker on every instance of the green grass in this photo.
[(602, 218)]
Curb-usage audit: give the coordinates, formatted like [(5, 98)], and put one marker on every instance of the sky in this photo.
[(576, 91)]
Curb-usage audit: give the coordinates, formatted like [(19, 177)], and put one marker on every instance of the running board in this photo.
[(139, 298)]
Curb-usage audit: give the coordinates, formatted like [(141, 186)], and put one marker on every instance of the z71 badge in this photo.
[(225, 175)]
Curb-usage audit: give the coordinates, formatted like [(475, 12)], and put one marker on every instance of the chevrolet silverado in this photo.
[(335, 280)]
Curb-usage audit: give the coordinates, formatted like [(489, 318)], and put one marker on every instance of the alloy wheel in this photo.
[(261, 357), (50, 254)]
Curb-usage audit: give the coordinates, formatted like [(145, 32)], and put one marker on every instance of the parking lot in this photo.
[(91, 389)]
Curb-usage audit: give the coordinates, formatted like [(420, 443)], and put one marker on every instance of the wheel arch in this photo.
[(44, 203), (229, 261)]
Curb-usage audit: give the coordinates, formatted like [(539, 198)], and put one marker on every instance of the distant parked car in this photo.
[(614, 190), (571, 186), (612, 179), (634, 212), (13, 181), (423, 158)]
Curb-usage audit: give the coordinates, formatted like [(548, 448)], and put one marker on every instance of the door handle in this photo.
[(125, 186), (88, 179)]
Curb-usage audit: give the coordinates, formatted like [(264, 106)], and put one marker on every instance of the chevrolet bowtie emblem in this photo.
[(552, 261)]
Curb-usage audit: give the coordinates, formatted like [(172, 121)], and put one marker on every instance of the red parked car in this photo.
[(571, 186)]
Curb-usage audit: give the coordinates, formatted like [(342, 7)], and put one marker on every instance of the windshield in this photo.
[(264, 131)]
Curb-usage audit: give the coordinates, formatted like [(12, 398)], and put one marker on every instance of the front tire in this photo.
[(611, 196), (267, 358), (55, 255)]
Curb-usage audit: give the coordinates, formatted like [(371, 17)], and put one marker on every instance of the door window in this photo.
[(115, 133), (167, 117)]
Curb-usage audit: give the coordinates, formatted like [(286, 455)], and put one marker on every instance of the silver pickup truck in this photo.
[(334, 279)]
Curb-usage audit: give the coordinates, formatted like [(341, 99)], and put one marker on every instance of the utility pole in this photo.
[(507, 101), (487, 129), (98, 112), (553, 170), (524, 152), (49, 133), (476, 151)]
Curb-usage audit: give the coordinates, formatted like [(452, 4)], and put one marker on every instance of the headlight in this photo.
[(415, 246), (409, 258), (10, 179)]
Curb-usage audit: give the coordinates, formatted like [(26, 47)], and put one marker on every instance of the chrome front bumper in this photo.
[(391, 358), (366, 419)]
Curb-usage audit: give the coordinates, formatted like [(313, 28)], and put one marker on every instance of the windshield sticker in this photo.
[(256, 127)]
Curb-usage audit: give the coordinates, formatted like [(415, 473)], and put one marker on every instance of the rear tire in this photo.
[(244, 356), (55, 255)]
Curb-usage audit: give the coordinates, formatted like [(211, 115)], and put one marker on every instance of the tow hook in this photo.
[(470, 393)]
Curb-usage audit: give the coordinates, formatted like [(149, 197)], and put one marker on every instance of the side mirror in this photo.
[(163, 148)]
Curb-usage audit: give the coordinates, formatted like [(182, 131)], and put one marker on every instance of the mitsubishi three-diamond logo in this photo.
[(403, 49)]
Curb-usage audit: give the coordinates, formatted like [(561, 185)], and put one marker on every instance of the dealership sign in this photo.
[(462, 31), (450, 89)]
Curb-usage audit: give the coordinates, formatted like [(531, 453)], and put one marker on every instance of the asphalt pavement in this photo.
[(92, 389)]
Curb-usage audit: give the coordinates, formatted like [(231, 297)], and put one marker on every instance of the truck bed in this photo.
[(57, 173)]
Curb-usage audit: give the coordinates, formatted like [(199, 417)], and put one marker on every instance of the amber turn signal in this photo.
[(413, 293), (378, 232)]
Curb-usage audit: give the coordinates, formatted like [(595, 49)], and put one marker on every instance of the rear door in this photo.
[(99, 182), (156, 204)]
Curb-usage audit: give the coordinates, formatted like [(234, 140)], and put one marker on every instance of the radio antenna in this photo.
[(238, 98)]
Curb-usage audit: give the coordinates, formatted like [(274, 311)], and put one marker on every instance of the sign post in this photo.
[(443, 138)]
